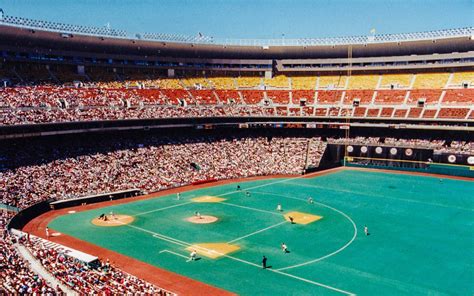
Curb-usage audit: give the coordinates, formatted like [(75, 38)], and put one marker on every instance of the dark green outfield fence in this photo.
[(425, 167)]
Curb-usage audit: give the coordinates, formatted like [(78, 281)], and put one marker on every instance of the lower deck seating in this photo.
[(279, 96), (430, 96), (458, 113), (459, 96), (329, 96), (390, 96), (305, 95), (364, 96), (252, 97)]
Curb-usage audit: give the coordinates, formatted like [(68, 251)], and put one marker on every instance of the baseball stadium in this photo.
[(197, 163)]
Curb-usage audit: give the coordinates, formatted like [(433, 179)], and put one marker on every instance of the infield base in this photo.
[(213, 250), (302, 218)]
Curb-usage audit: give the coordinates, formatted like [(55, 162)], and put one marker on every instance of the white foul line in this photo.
[(183, 243), (258, 231), (174, 253)]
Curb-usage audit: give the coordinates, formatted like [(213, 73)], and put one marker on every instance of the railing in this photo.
[(106, 31)]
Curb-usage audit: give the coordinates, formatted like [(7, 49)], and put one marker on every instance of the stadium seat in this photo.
[(430, 81), (363, 81)]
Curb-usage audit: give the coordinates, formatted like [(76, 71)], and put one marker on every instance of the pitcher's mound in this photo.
[(208, 198), (202, 220), (115, 220)]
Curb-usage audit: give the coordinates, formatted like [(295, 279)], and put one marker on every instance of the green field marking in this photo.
[(420, 242)]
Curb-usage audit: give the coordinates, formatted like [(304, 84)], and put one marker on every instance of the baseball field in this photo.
[(420, 234)]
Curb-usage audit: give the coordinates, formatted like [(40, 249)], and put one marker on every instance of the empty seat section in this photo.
[(329, 96), (305, 95), (252, 96), (364, 96), (303, 82), (332, 82), (430, 80), (459, 78), (363, 81), (430, 96), (390, 96), (249, 82), (280, 81), (395, 81), (459, 96), (279, 96), (222, 82)]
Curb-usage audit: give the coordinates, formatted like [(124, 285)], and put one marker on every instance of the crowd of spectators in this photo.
[(104, 279), (16, 276), (152, 166)]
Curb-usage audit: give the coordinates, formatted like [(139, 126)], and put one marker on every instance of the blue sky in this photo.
[(253, 18)]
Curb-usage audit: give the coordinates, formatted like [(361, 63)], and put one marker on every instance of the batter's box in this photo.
[(213, 250), (208, 198), (302, 218)]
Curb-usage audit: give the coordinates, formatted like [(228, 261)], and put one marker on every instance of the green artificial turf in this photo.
[(421, 235)]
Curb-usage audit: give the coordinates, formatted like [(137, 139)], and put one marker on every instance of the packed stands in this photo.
[(103, 280), (16, 276)]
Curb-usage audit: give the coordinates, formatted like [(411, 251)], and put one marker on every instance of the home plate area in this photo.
[(213, 250), (302, 218)]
